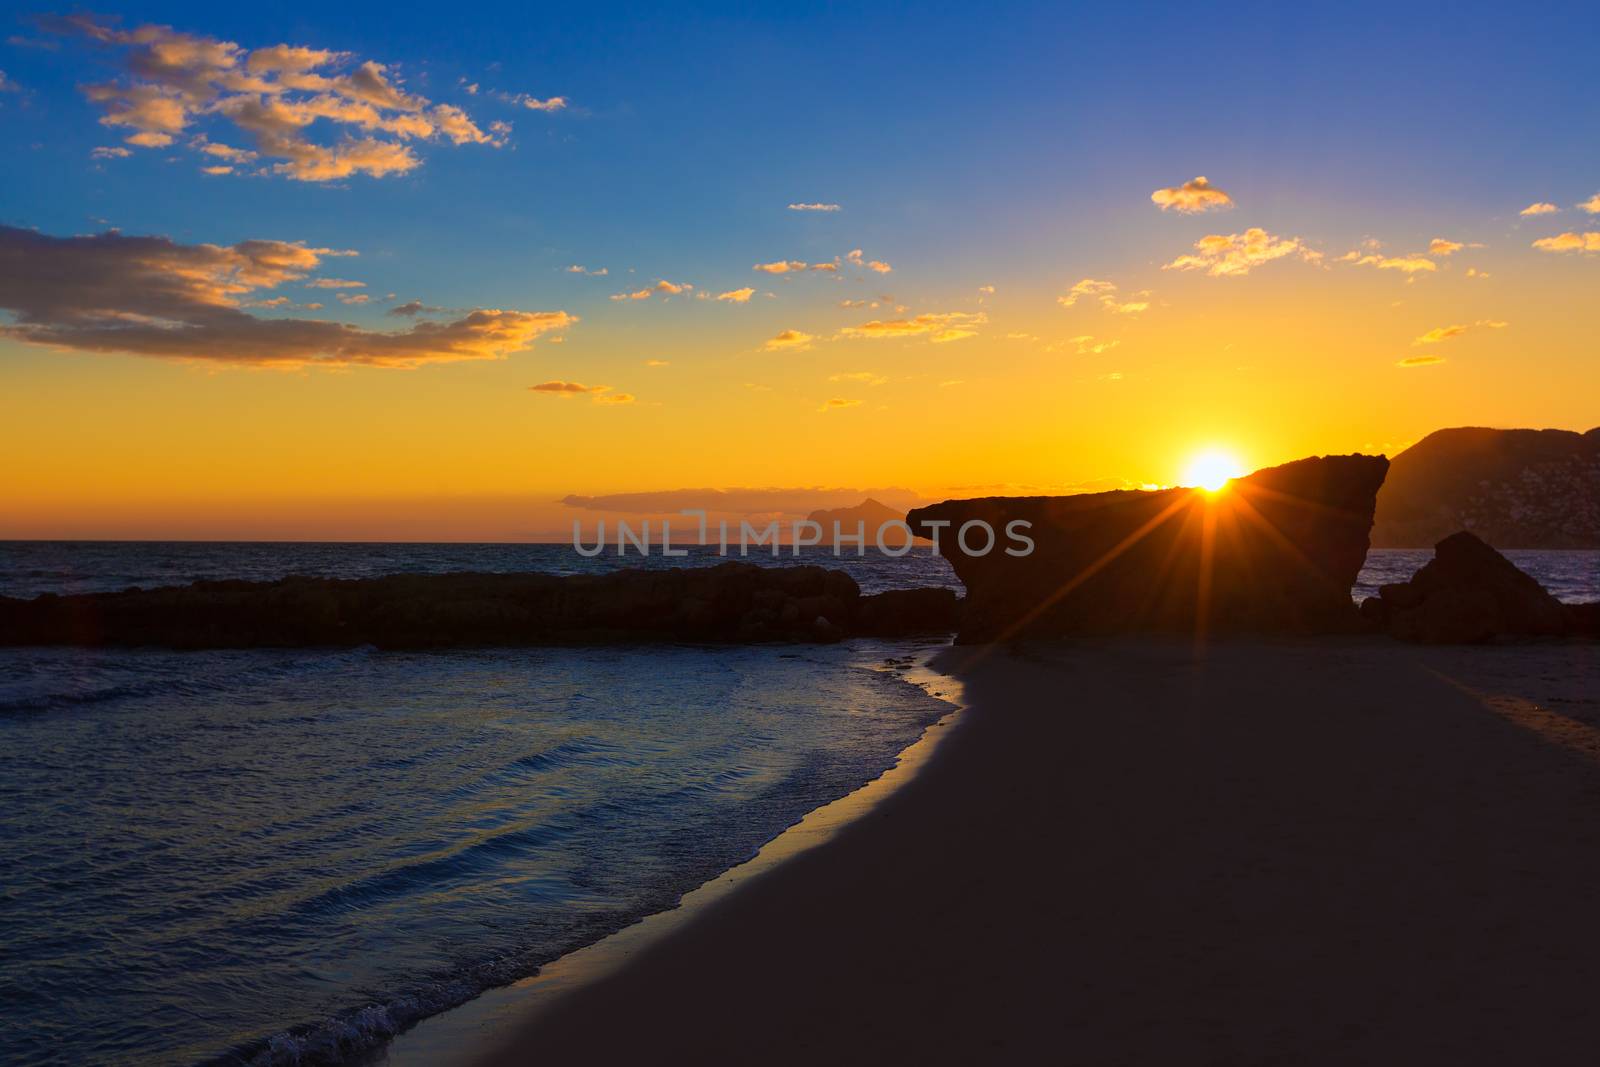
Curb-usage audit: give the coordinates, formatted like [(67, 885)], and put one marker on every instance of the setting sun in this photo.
[(1211, 470)]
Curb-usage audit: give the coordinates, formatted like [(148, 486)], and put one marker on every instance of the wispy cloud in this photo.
[(937, 328), (865, 377), (790, 341), (1446, 333), (662, 287), (782, 266), (1409, 264), (560, 388), (412, 308), (1105, 293), (151, 296), (1569, 242), (838, 403), (1540, 208), (1439, 246), (737, 296), (1420, 361), (175, 81), (598, 272), (877, 266), (813, 207), (1237, 254), (1192, 197)]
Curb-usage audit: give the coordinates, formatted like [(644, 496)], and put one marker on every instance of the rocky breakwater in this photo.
[(1275, 552), (1470, 593), (730, 602)]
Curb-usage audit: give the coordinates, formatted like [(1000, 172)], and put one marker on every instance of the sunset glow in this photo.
[(1212, 469)]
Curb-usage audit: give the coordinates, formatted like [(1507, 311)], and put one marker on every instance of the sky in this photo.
[(356, 274)]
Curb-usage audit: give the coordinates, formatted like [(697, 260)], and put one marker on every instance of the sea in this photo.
[(288, 856)]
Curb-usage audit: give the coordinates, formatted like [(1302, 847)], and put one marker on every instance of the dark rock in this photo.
[(1277, 551), (1467, 593), (729, 602), (907, 611), (1583, 619)]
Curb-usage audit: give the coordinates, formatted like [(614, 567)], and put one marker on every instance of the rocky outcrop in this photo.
[(1468, 593), (1277, 551), (728, 602), (898, 612), (1513, 488)]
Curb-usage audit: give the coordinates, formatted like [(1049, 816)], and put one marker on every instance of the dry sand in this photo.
[(1274, 853)]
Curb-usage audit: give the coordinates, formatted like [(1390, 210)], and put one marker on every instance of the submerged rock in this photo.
[(1467, 593), (732, 601), (1277, 551)]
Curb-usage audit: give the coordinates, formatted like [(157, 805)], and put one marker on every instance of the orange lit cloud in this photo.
[(789, 340), (177, 80), (1591, 205), (1445, 333), (664, 287), (737, 296), (838, 402), (1420, 361), (1105, 293), (1569, 242), (1539, 209), (937, 328), (151, 296), (1441, 247), (1192, 197), (1237, 254)]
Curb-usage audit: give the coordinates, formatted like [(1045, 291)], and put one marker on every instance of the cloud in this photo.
[(737, 296), (1445, 333), (353, 298), (615, 398), (110, 153), (1105, 293), (334, 283), (549, 104), (1591, 205), (877, 266), (561, 388), (782, 266), (412, 308), (576, 269), (664, 287), (1407, 264), (937, 328), (813, 207), (866, 377), (1192, 197), (1420, 361), (657, 363), (1237, 254), (151, 296), (1539, 209), (1569, 242), (837, 403), (1086, 345), (789, 340), (1441, 247), (280, 95)]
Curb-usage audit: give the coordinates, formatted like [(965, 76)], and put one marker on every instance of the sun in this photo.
[(1212, 469)]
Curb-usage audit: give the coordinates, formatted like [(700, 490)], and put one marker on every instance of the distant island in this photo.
[(869, 515), (1513, 488)]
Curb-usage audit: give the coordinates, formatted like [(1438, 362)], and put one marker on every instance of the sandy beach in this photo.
[(1348, 851)]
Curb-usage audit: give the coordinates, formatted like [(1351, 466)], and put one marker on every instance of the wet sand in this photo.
[(1347, 852)]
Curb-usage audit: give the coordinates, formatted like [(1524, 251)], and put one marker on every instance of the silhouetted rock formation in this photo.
[(1276, 551), (728, 602), (1468, 592), (1513, 488), (896, 612)]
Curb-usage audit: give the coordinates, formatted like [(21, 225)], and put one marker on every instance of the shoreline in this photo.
[(1333, 851), (479, 1027)]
